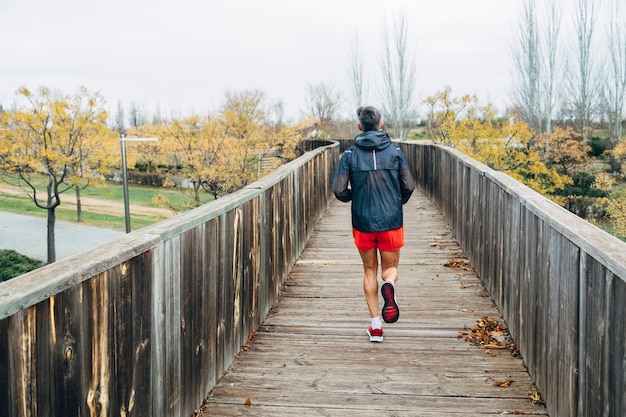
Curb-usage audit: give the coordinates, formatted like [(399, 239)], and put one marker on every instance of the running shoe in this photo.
[(376, 335), (391, 311)]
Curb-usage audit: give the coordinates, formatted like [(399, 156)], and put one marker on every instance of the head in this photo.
[(369, 118)]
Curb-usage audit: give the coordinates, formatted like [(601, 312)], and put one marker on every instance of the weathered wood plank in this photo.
[(311, 355)]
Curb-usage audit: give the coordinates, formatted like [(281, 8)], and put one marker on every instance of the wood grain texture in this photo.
[(312, 356), (557, 279)]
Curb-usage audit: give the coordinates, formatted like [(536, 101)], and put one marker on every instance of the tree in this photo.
[(584, 88), (615, 203), (53, 136), (567, 150), (199, 145), (356, 75), (551, 70), (398, 77), (137, 115), (220, 154), (323, 102), (118, 124), (473, 128), (443, 112), (528, 64), (537, 60), (616, 74)]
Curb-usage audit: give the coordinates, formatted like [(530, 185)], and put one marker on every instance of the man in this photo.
[(375, 176)]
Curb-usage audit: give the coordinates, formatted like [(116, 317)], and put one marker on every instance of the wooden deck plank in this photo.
[(311, 356)]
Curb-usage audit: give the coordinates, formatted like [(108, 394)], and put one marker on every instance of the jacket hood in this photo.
[(373, 139)]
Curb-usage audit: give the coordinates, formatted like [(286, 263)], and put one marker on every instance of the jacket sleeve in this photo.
[(407, 183), (341, 179)]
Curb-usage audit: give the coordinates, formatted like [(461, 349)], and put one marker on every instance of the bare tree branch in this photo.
[(398, 78)]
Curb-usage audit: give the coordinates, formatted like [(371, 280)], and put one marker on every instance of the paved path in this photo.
[(27, 235)]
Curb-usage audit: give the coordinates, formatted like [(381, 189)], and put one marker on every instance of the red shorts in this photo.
[(389, 240)]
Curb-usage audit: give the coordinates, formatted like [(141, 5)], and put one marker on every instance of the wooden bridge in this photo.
[(252, 305), (312, 356)]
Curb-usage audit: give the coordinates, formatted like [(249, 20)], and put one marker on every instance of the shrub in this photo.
[(598, 146)]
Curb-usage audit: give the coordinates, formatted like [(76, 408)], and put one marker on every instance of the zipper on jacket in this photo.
[(374, 155)]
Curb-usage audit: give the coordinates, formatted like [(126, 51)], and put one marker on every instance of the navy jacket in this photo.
[(374, 175)]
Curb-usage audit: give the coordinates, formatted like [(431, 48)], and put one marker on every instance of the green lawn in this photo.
[(12, 264), (138, 195)]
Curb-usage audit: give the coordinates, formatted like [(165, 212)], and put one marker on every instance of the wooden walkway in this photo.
[(312, 356)]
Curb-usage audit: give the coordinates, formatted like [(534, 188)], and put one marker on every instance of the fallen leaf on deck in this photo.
[(536, 398), (503, 384), (491, 334), (493, 346), (459, 263), (248, 402)]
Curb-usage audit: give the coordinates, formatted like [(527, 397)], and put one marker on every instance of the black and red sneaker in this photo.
[(391, 311)]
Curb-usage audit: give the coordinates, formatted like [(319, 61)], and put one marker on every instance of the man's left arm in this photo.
[(407, 183), (341, 180)]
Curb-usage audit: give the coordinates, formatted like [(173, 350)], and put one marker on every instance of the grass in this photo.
[(12, 264), (138, 195)]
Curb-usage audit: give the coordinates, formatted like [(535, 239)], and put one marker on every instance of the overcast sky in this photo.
[(182, 56)]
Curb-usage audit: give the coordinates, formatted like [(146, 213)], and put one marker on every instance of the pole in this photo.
[(123, 140), (125, 185)]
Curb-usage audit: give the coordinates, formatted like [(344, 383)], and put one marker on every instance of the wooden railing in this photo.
[(146, 325), (559, 281)]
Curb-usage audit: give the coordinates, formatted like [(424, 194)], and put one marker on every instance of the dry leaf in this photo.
[(248, 402), (459, 263), (535, 398), (490, 334), (493, 346), (516, 412), (432, 245), (503, 384)]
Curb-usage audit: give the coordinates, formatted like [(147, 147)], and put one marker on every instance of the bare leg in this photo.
[(370, 279), (389, 263)]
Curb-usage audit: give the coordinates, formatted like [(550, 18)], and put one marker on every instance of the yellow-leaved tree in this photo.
[(53, 144), (222, 153), (194, 145), (615, 202), (249, 137), (246, 137), (474, 129), (566, 150)]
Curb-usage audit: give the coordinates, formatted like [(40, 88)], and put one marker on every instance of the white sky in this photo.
[(182, 56)]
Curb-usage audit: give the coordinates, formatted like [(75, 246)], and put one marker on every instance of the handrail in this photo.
[(146, 324), (559, 281)]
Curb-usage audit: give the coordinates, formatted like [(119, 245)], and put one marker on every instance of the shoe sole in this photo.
[(374, 338), (391, 311)]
